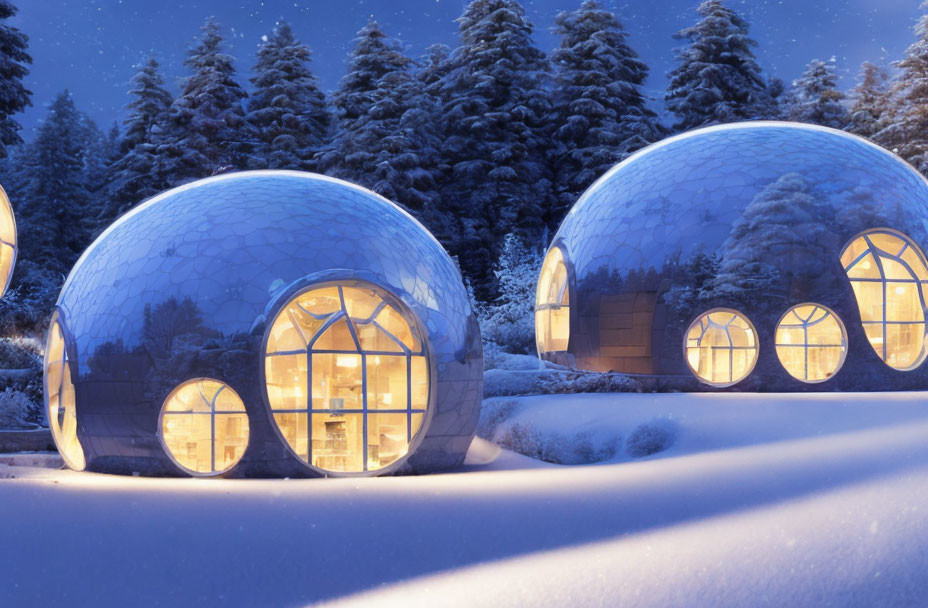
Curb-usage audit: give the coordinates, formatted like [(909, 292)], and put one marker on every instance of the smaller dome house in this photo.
[(264, 324), (762, 256), (7, 242)]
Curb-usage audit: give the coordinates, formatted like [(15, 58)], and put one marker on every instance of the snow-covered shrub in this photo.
[(16, 410), (494, 412), (547, 381), (651, 437), (556, 448), (508, 323)]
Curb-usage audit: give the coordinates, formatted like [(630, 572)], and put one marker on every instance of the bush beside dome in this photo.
[(264, 324), (788, 233)]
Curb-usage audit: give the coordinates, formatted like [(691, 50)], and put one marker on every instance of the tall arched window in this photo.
[(347, 377), (552, 304), (60, 402), (721, 347), (889, 275)]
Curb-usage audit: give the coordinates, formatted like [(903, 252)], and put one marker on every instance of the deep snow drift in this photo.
[(761, 500)]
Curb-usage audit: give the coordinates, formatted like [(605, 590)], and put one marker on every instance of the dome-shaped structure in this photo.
[(763, 255), (264, 324)]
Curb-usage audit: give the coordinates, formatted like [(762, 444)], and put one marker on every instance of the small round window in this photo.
[(204, 427), (811, 342), (721, 347), (347, 377), (60, 402)]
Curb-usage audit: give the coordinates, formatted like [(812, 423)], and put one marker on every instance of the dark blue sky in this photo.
[(89, 46)]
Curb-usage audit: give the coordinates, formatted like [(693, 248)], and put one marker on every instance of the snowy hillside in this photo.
[(774, 500)]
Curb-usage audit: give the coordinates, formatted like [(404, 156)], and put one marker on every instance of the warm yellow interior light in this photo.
[(811, 342), (721, 347), (204, 426), (61, 404), (8, 246), (323, 348), (552, 304), (889, 275)]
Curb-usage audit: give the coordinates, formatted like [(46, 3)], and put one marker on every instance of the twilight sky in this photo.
[(89, 46)]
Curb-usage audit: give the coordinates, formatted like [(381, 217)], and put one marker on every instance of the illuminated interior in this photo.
[(347, 378), (60, 402), (721, 347), (204, 426), (889, 276), (552, 304), (811, 342), (7, 241)]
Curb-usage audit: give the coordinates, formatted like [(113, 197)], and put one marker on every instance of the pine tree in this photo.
[(386, 139), (14, 97), (509, 321), (53, 192), (600, 114), (906, 132), (869, 112), (206, 132), (718, 79), (136, 175), (815, 98), (286, 110), (495, 103)]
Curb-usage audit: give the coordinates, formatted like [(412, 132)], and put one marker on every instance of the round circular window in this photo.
[(811, 342), (721, 347), (204, 427), (347, 377), (60, 402)]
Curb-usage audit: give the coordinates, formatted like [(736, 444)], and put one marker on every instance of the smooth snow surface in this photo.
[(779, 500)]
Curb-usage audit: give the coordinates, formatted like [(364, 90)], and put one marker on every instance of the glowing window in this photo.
[(721, 347), (811, 342), (60, 403), (204, 426), (347, 378), (552, 304), (889, 276), (7, 241)]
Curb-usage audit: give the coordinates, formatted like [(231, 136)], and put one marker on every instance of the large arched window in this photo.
[(721, 347), (347, 377), (204, 426), (552, 304), (7, 241), (60, 403), (889, 275), (811, 342)]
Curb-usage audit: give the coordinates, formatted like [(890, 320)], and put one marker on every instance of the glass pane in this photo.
[(293, 428), (887, 243), (336, 337), (394, 323), (420, 382), (361, 303), (188, 438), (321, 301), (386, 382), (386, 439), (338, 442), (286, 381), (903, 302), (372, 338), (231, 438), (337, 382), (721, 347)]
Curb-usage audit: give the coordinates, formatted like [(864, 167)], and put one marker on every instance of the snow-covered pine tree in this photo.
[(869, 112), (52, 193), (386, 137), (600, 113), (206, 132), (14, 97), (287, 110), (136, 174), (718, 79), (815, 98), (509, 321), (495, 102), (784, 221), (906, 131)]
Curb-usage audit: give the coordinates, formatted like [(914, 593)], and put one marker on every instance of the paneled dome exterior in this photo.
[(763, 256), (266, 323)]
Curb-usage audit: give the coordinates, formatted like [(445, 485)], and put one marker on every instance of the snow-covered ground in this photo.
[(781, 500)]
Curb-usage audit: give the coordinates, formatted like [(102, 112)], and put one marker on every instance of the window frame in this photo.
[(731, 348), (805, 325), (549, 306)]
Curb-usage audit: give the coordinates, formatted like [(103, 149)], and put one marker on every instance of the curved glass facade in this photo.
[(889, 275), (60, 402), (347, 377), (204, 426), (721, 347), (811, 342), (552, 304)]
